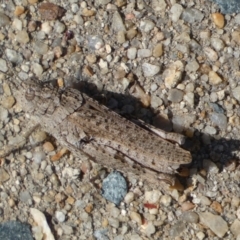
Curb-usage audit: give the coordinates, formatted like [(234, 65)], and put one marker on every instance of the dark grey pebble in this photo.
[(114, 188), (15, 230), (228, 6)]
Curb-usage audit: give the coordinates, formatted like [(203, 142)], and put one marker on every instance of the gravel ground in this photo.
[(173, 64)]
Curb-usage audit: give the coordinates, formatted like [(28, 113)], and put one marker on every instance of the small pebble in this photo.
[(25, 196), (238, 213), (48, 147), (46, 27), (39, 136), (22, 37), (152, 196), (68, 230), (17, 24), (129, 197), (4, 176), (131, 53), (4, 20), (37, 69), (175, 95), (50, 11), (32, 25), (121, 37), (235, 202), (216, 206), (39, 156), (95, 42), (88, 12), (121, 3), (150, 70), (205, 200), (235, 227), (60, 216), (3, 65), (176, 229), (11, 203), (13, 56), (136, 217), (91, 58), (214, 79), (217, 44), (172, 75), (166, 200), (236, 93), (192, 15), (113, 222), (8, 102), (210, 130), (158, 50), (192, 66), (211, 54), (187, 206), (19, 10), (148, 229), (59, 27), (117, 22), (214, 222), (156, 101), (200, 235), (114, 188), (146, 25), (189, 98), (144, 53), (218, 19), (219, 120), (131, 33), (190, 217), (40, 47)]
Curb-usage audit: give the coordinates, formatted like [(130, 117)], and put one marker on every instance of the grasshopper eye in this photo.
[(30, 94)]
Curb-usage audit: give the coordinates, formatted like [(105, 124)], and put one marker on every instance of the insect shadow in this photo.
[(221, 151)]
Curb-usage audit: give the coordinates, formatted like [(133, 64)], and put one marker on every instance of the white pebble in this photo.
[(238, 213), (129, 197), (166, 200), (131, 53), (150, 70), (74, 8), (38, 156), (144, 53), (148, 229), (136, 217), (17, 24), (46, 28), (60, 216), (103, 64), (214, 79), (37, 69), (176, 11), (172, 75), (152, 196), (211, 54)]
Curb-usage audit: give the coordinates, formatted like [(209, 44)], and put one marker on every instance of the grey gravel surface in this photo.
[(173, 64)]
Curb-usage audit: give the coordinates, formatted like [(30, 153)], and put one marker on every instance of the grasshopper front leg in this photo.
[(10, 148)]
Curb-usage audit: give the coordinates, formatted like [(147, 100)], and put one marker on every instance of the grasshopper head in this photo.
[(35, 96)]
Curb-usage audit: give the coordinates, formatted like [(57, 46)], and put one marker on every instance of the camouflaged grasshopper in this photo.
[(81, 124)]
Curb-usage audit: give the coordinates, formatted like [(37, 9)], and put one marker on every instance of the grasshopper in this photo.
[(81, 124)]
